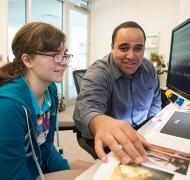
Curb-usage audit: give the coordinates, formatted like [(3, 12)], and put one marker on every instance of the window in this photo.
[(16, 19)]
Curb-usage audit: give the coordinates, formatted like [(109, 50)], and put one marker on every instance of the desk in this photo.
[(149, 126)]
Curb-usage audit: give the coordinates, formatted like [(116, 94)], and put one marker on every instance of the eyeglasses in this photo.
[(58, 58)]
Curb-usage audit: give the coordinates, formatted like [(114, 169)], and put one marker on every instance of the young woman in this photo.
[(28, 106)]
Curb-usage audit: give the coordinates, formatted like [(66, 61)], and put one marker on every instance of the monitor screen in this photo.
[(178, 78)]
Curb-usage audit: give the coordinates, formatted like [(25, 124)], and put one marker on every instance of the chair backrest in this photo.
[(77, 76)]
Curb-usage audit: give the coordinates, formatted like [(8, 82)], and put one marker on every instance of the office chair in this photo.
[(64, 126), (77, 76)]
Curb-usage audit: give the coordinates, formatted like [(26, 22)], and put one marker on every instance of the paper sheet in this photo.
[(113, 169)]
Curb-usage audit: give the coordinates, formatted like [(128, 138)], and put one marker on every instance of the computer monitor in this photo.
[(178, 78)]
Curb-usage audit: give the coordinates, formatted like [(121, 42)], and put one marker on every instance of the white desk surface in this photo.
[(89, 173)]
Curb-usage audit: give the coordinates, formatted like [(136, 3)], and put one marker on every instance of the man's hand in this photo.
[(127, 144)]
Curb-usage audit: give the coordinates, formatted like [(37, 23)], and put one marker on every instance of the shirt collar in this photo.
[(46, 104), (116, 72)]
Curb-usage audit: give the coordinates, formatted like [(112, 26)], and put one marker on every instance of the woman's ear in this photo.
[(27, 60)]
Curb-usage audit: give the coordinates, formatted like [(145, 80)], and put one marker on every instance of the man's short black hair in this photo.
[(127, 24)]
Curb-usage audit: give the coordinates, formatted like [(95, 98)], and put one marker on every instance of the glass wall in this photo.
[(16, 19), (77, 45), (49, 11), (74, 23)]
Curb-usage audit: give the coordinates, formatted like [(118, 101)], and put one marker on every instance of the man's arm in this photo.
[(92, 100), (91, 105), (120, 137)]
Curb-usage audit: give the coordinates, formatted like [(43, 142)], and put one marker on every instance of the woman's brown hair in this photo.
[(32, 37)]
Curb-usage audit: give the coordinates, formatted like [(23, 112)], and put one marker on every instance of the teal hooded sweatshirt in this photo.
[(17, 134)]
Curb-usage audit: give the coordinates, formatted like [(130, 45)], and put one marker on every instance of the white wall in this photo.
[(3, 30), (184, 10), (153, 15)]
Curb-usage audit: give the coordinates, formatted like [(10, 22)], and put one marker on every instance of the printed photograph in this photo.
[(169, 159), (138, 172), (170, 151)]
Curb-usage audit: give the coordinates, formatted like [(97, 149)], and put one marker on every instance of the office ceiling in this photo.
[(45, 8)]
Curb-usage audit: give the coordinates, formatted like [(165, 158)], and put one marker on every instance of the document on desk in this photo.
[(168, 157), (162, 164)]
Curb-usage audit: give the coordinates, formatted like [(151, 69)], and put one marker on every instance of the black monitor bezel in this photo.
[(175, 89)]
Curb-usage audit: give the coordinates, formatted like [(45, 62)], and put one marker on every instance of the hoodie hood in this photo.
[(17, 90)]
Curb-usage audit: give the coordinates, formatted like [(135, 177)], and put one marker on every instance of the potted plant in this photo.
[(157, 60)]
